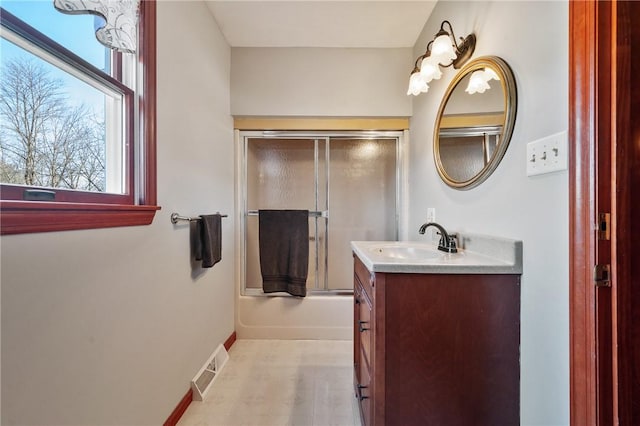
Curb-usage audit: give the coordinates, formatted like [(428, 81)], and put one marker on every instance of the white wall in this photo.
[(324, 82), (533, 38), (109, 326)]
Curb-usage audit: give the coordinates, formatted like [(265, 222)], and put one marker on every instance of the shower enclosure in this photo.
[(348, 181)]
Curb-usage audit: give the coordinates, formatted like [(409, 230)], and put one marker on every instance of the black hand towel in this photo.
[(284, 250), (209, 240)]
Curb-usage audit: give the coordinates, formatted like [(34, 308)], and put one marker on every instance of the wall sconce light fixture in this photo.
[(443, 51)]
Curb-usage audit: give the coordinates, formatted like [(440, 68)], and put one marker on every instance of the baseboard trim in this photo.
[(230, 341), (184, 403), (177, 412)]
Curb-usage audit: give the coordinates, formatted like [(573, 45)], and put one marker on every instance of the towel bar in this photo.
[(321, 213), (175, 217)]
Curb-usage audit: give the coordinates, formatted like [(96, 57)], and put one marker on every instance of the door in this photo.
[(605, 179), (285, 173), (362, 200)]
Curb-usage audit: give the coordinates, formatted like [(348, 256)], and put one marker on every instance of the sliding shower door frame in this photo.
[(242, 138)]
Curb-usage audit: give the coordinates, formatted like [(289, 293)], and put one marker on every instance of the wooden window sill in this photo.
[(22, 217)]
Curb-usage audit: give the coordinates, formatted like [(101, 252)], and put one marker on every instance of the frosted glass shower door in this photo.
[(362, 200), (286, 174)]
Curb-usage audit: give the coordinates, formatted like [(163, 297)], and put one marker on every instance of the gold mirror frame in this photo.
[(508, 85)]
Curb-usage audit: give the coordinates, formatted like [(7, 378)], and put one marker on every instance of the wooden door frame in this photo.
[(599, 127), (582, 123)]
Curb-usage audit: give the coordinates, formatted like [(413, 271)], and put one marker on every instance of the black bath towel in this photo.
[(284, 250), (208, 244)]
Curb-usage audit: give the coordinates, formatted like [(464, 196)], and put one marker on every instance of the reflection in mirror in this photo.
[(475, 122)]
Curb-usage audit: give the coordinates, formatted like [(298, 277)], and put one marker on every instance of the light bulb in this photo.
[(442, 50), (477, 83), (429, 70), (417, 85)]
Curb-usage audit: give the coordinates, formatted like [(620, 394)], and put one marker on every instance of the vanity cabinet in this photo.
[(436, 349)]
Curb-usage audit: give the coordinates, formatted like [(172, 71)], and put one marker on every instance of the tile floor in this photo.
[(281, 382)]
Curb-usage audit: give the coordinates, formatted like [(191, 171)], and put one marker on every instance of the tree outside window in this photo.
[(45, 139)]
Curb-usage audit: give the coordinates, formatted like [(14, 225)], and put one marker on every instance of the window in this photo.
[(77, 123)]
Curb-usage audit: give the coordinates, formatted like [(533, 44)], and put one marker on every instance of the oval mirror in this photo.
[(475, 122)]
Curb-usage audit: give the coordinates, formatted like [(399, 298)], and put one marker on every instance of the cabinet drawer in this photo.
[(357, 351), (364, 325), (364, 393), (367, 279)]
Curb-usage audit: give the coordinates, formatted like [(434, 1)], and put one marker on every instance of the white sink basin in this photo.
[(396, 251), (477, 254)]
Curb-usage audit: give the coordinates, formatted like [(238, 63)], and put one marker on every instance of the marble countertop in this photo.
[(477, 254)]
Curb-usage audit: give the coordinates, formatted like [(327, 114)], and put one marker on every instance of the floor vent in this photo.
[(202, 382)]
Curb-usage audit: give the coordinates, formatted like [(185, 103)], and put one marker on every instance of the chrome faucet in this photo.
[(447, 242)]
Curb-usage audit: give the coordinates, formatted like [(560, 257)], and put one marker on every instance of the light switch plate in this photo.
[(431, 214), (547, 155)]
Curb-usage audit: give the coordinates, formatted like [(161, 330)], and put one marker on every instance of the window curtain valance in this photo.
[(119, 27)]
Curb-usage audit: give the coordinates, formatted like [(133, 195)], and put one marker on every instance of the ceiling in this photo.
[(364, 24)]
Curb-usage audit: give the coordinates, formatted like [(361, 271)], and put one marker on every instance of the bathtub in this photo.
[(284, 317)]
